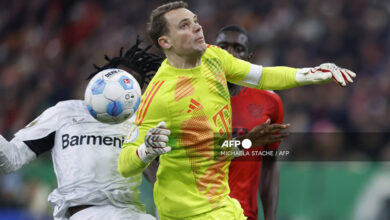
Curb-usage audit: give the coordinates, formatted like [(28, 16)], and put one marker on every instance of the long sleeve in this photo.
[(129, 163), (251, 75), (150, 112), (277, 78), (13, 155)]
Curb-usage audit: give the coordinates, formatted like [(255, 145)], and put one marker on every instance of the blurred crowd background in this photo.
[(47, 49)]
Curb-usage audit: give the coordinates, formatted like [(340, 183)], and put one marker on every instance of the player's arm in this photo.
[(129, 163), (150, 173), (270, 174), (276, 78), (153, 132), (287, 77), (269, 187), (264, 134), (134, 159), (31, 141), (13, 155)]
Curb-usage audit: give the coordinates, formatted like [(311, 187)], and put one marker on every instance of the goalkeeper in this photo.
[(188, 100)]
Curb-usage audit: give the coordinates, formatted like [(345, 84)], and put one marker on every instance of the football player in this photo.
[(188, 98), (251, 173), (84, 153)]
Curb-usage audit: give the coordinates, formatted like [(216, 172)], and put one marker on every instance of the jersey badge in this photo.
[(133, 134), (255, 110)]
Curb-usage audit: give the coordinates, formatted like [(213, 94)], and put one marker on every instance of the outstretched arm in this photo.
[(13, 155), (285, 77), (280, 77)]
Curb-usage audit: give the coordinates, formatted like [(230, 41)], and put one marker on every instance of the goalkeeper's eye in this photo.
[(184, 25)]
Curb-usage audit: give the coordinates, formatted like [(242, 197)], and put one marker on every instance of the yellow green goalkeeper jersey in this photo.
[(195, 104)]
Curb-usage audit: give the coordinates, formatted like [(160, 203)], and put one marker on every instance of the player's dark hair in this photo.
[(234, 28), (239, 29), (135, 58), (157, 25)]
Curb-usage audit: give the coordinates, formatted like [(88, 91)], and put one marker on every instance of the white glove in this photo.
[(155, 143), (324, 73)]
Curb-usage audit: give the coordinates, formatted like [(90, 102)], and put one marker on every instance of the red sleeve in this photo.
[(276, 116)]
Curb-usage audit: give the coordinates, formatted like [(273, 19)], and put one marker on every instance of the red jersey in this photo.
[(250, 108)]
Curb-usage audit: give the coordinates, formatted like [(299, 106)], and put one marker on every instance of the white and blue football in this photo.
[(112, 96)]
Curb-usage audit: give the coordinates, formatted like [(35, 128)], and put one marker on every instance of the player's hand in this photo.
[(324, 73), (266, 133), (155, 143)]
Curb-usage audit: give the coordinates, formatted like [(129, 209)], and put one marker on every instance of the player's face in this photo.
[(185, 35), (234, 42)]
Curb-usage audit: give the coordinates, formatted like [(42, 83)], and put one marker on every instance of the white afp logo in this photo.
[(246, 143)]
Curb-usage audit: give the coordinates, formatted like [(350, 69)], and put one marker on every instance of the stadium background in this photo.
[(47, 49)]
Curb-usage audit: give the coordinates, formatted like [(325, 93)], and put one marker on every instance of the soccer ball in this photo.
[(112, 96)]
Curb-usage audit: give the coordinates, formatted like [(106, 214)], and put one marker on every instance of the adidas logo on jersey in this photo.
[(193, 105), (75, 140)]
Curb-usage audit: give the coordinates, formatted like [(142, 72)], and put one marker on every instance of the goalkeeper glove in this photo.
[(324, 73), (155, 143)]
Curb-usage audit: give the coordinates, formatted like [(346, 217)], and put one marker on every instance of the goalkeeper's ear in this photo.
[(164, 42)]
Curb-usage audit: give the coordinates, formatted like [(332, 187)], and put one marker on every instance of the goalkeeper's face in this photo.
[(236, 43), (185, 35)]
